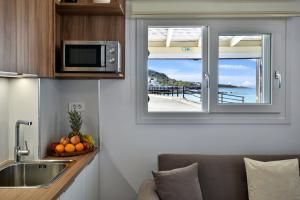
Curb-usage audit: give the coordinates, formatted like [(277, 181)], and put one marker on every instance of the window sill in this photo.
[(211, 118)]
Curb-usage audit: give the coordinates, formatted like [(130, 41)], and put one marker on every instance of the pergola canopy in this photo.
[(186, 42)]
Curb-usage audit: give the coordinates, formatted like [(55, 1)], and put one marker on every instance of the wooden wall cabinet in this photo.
[(41, 37), (26, 36), (8, 26), (90, 21), (31, 32)]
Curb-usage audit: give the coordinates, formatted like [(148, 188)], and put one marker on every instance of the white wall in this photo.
[(113, 185), (55, 96), (133, 149), (50, 113), (85, 91), (3, 119)]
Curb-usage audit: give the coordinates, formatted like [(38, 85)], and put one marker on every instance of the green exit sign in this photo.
[(186, 49)]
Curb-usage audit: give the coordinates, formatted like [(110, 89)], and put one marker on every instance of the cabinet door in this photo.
[(77, 189), (86, 185), (8, 37), (22, 36), (41, 37), (27, 36), (92, 180)]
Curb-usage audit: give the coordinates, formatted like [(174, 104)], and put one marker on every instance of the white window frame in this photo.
[(277, 31), (276, 113)]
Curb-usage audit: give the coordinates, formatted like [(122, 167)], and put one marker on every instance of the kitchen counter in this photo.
[(53, 191)]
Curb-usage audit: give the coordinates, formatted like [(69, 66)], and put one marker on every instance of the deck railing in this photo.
[(184, 91), (230, 98), (177, 91)]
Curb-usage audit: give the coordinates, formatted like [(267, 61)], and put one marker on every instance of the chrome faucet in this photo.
[(18, 151)]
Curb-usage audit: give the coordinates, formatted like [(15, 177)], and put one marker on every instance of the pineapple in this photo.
[(75, 122)]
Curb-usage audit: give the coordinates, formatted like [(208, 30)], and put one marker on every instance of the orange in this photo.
[(79, 147), (60, 148), (69, 148)]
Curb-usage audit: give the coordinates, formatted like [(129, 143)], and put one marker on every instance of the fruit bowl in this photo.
[(69, 154), (76, 143), (73, 146)]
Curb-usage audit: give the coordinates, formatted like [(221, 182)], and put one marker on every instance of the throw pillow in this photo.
[(274, 180), (178, 184)]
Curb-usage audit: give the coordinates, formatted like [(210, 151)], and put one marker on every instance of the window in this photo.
[(244, 69), (194, 71), (175, 69), (244, 56)]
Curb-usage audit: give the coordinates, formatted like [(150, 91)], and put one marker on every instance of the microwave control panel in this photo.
[(112, 57)]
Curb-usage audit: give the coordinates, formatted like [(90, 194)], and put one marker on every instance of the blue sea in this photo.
[(249, 94)]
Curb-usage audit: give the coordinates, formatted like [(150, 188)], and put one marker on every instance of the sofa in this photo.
[(221, 177)]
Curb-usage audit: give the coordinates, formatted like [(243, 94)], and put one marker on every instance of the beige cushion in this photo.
[(274, 180), (178, 184), (147, 191)]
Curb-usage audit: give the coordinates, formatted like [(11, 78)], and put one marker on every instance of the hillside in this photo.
[(164, 80)]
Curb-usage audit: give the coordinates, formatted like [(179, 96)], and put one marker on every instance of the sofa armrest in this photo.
[(147, 191)]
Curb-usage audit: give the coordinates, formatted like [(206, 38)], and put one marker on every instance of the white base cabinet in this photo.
[(86, 184)]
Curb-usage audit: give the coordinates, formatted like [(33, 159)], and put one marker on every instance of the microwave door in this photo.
[(83, 58)]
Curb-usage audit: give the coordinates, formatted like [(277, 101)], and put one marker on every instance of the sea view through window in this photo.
[(236, 77)]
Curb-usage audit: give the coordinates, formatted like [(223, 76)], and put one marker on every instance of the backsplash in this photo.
[(4, 85), (18, 101), (24, 105), (55, 96), (45, 103)]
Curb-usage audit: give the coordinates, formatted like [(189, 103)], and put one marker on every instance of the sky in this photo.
[(239, 72)]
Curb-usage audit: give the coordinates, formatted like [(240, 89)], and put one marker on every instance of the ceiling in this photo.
[(174, 34), (192, 37)]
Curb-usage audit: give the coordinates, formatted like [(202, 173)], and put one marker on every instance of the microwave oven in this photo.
[(91, 56)]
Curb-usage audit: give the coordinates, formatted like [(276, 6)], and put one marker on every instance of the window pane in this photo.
[(244, 69), (174, 69)]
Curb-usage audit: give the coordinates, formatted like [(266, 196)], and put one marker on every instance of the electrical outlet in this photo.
[(77, 106)]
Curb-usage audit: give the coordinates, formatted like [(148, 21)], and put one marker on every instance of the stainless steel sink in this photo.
[(34, 174)]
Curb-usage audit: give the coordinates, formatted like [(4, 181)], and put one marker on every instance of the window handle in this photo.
[(206, 77), (278, 77)]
